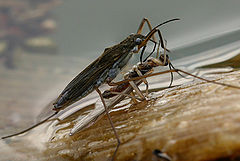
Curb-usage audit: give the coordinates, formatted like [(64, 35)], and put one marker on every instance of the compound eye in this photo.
[(138, 41)]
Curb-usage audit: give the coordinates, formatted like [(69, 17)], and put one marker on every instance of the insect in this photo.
[(103, 70), (106, 67)]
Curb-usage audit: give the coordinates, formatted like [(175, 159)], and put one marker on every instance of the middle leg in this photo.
[(110, 120)]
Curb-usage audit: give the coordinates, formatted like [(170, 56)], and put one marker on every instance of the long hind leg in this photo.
[(32, 127), (110, 120), (177, 71)]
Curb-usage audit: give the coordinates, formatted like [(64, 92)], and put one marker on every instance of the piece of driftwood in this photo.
[(194, 121)]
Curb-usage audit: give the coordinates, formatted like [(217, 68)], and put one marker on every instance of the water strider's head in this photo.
[(133, 42), (56, 106)]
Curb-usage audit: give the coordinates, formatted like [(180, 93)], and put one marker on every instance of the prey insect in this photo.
[(103, 70)]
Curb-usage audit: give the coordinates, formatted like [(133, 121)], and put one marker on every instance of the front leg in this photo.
[(140, 28)]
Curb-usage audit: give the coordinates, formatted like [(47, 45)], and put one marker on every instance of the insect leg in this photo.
[(150, 34), (165, 55), (131, 95), (171, 81), (139, 31), (160, 42), (134, 98), (110, 120), (157, 55), (137, 90), (142, 52), (112, 84), (140, 28), (143, 49), (176, 70), (164, 62), (148, 37), (144, 79), (30, 128)]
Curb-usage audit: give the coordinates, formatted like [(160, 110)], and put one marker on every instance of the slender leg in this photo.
[(127, 95), (148, 38), (176, 70), (139, 31), (153, 31), (165, 55), (142, 52), (110, 120), (157, 55), (137, 90), (171, 80), (30, 128), (140, 28), (160, 37), (149, 35), (111, 84), (164, 62), (144, 80), (133, 98)]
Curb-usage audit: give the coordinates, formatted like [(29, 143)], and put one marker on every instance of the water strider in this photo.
[(106, 67), (103, 70)]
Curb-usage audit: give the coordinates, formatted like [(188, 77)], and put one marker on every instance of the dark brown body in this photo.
[(104, 68)]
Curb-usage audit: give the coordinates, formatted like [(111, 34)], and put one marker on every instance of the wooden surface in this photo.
[(196, 121)]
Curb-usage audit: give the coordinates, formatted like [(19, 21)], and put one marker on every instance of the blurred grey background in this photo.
[(86, 28)]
